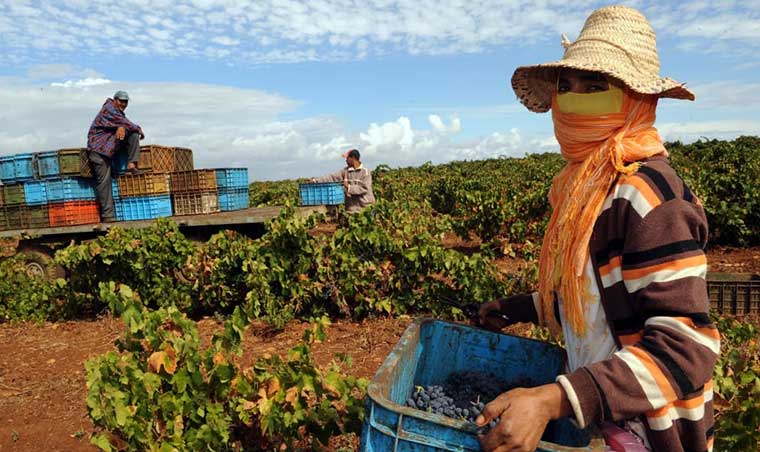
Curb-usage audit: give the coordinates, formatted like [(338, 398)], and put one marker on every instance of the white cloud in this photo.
[(335, 29), (725, 95), (83, 83), (59, 71), (721, 129), (225, 41), (439, 126)]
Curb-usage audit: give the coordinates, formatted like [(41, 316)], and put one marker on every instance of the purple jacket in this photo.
[(102, 135)]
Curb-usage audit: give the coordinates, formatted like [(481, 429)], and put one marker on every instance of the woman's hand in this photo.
[(488, 320), (523, 415)]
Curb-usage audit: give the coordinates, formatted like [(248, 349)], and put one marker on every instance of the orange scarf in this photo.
[(597, 149)]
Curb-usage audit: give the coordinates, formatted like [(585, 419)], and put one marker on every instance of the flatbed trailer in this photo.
[(37, 245)]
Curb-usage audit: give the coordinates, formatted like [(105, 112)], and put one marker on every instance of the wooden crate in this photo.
[(194, 203), (166, 159), (143, 185), (191, 181)]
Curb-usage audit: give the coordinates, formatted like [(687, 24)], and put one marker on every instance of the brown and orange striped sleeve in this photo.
[(663, 373)]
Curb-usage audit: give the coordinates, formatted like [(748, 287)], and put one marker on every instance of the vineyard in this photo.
[(464, 231)]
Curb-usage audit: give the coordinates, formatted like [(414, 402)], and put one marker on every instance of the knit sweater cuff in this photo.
[(583, 395)]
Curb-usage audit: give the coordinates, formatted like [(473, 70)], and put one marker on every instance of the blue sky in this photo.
[(283, 87)]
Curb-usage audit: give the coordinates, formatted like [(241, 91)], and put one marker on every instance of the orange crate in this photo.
[(143, 184), (166, 159), (196, 180), (71, 213)]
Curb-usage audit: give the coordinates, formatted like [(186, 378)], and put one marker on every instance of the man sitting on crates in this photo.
[(357, 182), (112, 133)]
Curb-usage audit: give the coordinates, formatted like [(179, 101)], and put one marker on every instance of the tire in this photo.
[(39, 262)]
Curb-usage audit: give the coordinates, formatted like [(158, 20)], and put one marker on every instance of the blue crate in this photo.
[(35, 193), (115, 189), (426, 354), (233, 199), (232, 177), (70, 189), (7, 169), (143, 207), (47, 164), (23, 166), (321, 193)]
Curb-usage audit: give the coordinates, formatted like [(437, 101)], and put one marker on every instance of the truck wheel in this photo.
[(40, 263)]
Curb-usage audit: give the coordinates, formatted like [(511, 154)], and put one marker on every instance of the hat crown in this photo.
[(620, 31)]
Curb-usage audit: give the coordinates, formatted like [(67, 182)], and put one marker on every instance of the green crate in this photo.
[(74, 162), (14, 194), (39, 217), (17, 217), (3, 219)]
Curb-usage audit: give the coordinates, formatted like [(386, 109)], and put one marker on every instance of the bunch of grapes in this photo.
[(463, 395)]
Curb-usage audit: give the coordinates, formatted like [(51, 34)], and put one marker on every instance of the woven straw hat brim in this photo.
[(535, 84), (617, 41)]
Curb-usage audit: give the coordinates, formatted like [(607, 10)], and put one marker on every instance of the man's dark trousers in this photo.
[(102, 167)]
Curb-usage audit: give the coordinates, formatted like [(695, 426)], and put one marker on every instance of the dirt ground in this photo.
[(42, 377), (42, 381)]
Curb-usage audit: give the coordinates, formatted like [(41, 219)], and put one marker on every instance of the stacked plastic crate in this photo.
[(233, 188), (54, 188), (148, 195), (44, 189), (65, 177), (15, 171), (194, 192), (143, 197)]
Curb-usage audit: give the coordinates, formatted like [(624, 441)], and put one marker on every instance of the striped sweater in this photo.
[(647, 251)]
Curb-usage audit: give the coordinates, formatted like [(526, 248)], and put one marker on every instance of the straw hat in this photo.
[(617, 41)]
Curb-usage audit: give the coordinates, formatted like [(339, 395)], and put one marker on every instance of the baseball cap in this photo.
[(121, 95), (352, 152)]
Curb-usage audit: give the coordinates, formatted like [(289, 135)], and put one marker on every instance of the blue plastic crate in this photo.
[(35, 193), (7, 169), (143, 207), (23, 166), (47, 164), (232, 177), (233, 198), (70, 189), (426, 354), (115, 189), (321, 193)]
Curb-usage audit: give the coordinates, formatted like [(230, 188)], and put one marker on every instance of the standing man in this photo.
[(110, 133), (622, 268), (357, 182)]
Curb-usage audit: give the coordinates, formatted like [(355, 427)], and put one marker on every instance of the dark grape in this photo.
[(463, 396)]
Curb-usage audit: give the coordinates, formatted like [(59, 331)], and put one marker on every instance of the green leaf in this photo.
[(102, 442)]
